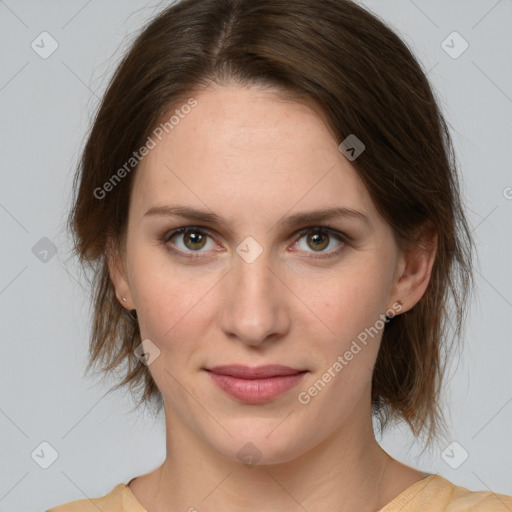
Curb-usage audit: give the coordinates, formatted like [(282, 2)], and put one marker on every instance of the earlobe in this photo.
[(416, 269), (117, 273)]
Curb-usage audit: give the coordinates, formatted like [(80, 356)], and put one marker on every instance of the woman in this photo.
[(269, 199)]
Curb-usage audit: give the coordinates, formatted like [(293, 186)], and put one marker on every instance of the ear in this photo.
[(117, 270), (414, 268)]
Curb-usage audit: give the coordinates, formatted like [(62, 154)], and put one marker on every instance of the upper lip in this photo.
[(255, 372)]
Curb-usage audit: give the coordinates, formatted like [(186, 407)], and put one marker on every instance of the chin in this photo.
[(261, 445)]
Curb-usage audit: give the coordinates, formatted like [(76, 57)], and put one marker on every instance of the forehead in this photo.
[(250, 147)]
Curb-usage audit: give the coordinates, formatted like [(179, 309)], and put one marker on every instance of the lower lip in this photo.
[(256, 391)]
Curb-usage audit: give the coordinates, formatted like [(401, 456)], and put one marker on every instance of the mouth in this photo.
[(258, 372), (255, 385)]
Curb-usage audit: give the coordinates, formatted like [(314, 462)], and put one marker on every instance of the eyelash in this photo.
[(341, 237)]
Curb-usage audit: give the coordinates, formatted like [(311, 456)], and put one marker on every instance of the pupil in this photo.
[(194, 239), (317, 242)]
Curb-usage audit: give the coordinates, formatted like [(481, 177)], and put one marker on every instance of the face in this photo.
[(254, 284)]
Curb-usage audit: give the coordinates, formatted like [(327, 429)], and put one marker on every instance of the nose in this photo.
[(255, 306)]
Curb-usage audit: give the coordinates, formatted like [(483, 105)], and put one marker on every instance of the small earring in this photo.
[(133, 313), (401, 303)]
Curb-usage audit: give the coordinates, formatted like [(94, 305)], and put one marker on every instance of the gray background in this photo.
[(46, 106)]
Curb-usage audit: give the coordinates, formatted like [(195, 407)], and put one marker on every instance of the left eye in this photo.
[(320, 239)]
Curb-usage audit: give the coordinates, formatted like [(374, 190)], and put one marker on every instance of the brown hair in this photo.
[(365, 81)]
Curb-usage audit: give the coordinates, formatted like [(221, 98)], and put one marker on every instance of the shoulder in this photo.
[(435, 494), (119, 499), (477, 501)]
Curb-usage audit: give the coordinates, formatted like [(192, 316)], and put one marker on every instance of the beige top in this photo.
[(431, 494)]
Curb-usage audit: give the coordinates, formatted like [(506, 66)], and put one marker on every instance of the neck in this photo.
[(347, 471)]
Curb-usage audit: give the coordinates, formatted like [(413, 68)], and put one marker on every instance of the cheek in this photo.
[(174, 312), (172, 301), (352, 309), (351, 306), (351, 301)]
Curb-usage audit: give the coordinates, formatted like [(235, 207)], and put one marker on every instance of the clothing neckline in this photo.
[(138, 507)]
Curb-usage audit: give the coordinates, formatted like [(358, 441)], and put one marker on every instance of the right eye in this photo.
[(192, 239)]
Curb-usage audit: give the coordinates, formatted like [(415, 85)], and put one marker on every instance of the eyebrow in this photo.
[(310, 217)]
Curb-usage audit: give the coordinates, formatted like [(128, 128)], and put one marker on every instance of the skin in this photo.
[(254, 159)]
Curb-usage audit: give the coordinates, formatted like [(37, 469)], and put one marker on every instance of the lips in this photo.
[(258, 372), (256, 385)]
